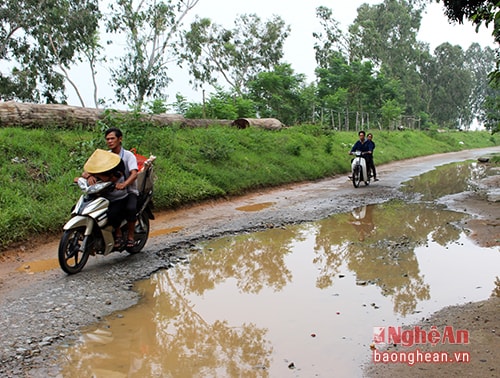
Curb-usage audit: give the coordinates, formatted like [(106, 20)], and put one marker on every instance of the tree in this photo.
[(331, 40), (453, 85), (386, 34), (491, 116), (222, 105), (39, 41), (277, 94), (237, 55), (355, 89), (481, 12), (480, 62), (391, 112), (478, 12), (151, 28)]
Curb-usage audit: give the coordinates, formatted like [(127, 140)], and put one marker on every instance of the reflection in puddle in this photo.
[(308, 295), (448, 179), (255, 207)]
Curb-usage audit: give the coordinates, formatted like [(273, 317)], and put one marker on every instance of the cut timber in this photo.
[(266, 123), (17, 114)]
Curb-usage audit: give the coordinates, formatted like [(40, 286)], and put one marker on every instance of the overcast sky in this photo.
[(301, 16)]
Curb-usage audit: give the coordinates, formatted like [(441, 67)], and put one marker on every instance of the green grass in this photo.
[(37, 167)]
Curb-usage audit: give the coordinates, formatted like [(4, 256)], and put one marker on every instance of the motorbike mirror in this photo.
[(82, 183)]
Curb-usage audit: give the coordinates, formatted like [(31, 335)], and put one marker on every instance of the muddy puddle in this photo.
[(449, 179), (301, 300)]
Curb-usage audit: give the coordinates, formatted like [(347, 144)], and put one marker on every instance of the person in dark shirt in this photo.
[(371, 165), (361, 145), (365, 147)]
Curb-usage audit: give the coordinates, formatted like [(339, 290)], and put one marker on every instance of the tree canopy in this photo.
[(482, 12), (375, 73), (39, 41), (152, 30), (237, 55)]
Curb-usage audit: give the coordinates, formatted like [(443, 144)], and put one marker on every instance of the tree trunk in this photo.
[(266, 123), (16, 114)]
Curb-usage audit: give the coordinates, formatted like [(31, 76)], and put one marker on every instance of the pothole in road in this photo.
[(256, 206), (450, 179), (38, 266), (303, 297)]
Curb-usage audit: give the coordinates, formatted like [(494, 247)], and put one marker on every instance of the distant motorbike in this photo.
[(359, 170), (88, 232)]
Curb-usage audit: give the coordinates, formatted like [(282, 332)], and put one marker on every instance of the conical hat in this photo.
[(101, 161)]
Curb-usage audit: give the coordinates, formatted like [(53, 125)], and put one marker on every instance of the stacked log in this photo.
[(16, 114), (65, 116), (266, 123)]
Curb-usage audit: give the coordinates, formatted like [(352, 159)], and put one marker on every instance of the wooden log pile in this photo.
[(266, 123), (16, 114)]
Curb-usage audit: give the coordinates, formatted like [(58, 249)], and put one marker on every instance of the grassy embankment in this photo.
[(38, 166)]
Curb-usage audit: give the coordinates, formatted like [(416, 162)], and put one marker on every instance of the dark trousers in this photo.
[(370, 166), (125, 208)]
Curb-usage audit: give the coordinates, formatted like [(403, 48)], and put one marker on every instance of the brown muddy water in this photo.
[(301, 300)]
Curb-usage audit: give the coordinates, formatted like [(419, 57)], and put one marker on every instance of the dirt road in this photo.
[(42, 308)]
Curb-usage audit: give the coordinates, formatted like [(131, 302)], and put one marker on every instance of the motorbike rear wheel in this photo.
[(72, 258), (141, 234), (356, 176)]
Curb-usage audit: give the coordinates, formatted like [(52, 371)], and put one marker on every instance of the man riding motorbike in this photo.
[(364, 146), (124, 201), (106, 166)]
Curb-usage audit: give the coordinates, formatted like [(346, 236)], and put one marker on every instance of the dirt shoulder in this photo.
[(41, 308)]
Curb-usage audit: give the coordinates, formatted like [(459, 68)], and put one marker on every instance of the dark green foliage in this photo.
[(221, 105)]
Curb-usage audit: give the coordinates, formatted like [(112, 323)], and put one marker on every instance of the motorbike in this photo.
[(359, 170), (88, 233)]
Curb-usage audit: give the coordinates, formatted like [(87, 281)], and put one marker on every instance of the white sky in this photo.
[(301, 16)]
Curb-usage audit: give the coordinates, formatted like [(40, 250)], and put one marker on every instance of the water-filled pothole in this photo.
[(303, 297), (449, 179)]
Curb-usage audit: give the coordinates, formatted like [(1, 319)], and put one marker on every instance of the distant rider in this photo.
[(365, 147), (371, 166), (362, 145)]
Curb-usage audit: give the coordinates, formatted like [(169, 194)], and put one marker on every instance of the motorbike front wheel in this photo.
[(72, 258), (356, 176)]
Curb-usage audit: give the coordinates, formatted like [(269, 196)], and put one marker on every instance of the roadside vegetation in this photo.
[(38, 166)]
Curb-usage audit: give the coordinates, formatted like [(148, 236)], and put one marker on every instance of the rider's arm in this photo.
[(354, 148), (130, 179), (87, 176)]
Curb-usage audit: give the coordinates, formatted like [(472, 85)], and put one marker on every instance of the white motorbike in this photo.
[(88, 232), (359, 170)]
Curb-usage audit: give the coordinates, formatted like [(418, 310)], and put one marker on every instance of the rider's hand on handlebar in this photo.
[(120, 186), (91, 180)]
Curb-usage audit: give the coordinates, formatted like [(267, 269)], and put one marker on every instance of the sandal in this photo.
[(118, 242), (130, 243)]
